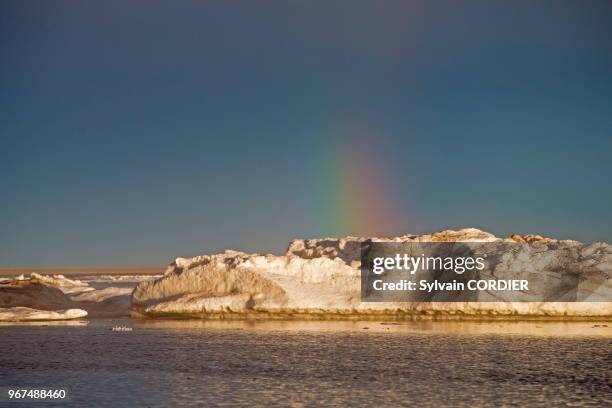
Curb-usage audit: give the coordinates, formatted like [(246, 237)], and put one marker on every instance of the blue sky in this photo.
[(135, 132)]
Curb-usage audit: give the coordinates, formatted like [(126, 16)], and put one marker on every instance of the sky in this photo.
[(135, 132)]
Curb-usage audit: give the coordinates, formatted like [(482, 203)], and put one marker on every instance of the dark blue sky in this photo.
[(135, 132)]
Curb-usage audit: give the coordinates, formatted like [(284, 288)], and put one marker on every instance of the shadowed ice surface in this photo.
[(200, 363)]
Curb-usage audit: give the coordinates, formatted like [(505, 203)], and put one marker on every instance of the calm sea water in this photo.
[(195, 364)]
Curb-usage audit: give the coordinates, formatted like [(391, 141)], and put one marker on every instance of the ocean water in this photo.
[(203, 364)]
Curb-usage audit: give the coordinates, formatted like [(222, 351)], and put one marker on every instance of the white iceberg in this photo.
[(66, 285), (32, 293), (21, 314), (107, 302), (57, 293), (320, 278)]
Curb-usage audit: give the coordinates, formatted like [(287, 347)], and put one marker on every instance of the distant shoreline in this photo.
[(84, 270)]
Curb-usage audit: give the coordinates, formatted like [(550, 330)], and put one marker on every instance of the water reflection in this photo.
[(195, 363), (522, 328)]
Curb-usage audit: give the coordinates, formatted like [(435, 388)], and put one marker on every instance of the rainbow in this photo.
[(357, 197)]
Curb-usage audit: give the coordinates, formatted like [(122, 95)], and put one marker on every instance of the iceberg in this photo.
[(320, 279), (59, 281), (57, 295), (22, 314), (107, 302), (32, 293)]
